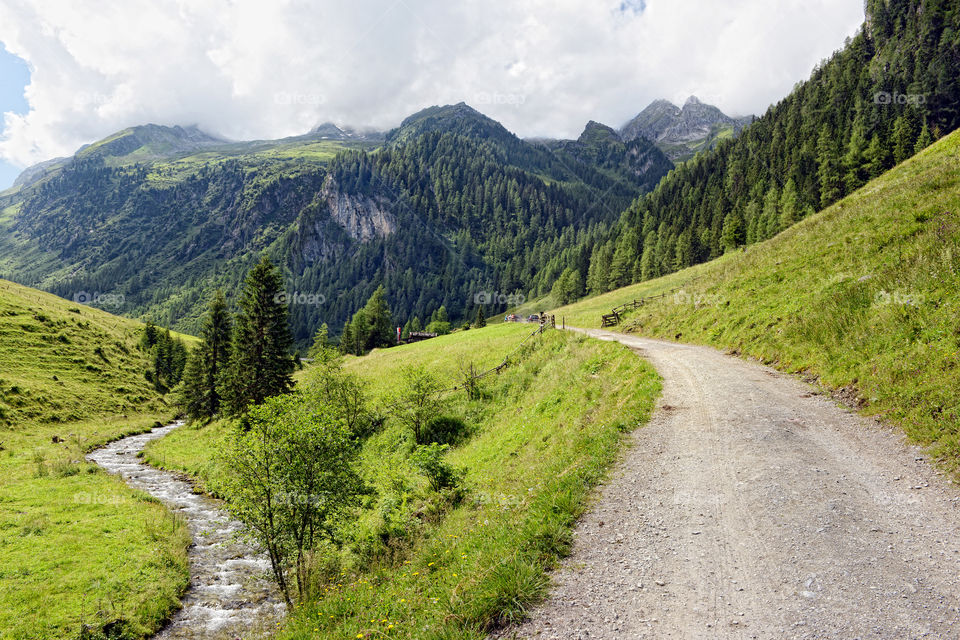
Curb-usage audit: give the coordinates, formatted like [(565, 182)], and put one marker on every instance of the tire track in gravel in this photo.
[(752, 507)]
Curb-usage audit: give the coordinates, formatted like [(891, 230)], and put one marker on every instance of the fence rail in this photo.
[(546, 322), (613, 318)]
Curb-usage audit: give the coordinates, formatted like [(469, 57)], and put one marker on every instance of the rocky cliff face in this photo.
[(362, 217), (334, 220)]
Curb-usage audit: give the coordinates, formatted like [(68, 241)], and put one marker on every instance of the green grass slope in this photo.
[(77, 547), (422, 566), (864, 296)]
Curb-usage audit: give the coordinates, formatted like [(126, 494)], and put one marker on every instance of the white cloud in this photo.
[(252, 69)]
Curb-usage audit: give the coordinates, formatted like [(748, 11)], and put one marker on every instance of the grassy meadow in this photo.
[(864, 297), (77, 546), (424, 564)]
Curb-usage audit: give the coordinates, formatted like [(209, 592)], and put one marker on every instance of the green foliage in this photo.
[(77, 544), (260, 363), (480, 320), (200, 395), (863, 296), (888, 93), (292, 482), (371, 326), (328, 383), (445, 429), (321, 343), (418, 400), (168, 357), (428, 459)]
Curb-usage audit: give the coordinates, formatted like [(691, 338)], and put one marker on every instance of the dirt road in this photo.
[(750, 507)]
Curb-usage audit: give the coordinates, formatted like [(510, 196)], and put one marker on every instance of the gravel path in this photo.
[(230, 593), (751, 507)]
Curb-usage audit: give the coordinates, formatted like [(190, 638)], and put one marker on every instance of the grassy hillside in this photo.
[(864, 296), (76, 545), (421, 564)]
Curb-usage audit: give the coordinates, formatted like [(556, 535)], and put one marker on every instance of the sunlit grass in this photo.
[(425, 565), (76, 545), (864, 296)]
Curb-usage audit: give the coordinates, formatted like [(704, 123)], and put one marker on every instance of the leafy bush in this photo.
[(448, 430), (429, 460)]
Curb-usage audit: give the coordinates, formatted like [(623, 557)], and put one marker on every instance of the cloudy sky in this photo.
[(74, 72)]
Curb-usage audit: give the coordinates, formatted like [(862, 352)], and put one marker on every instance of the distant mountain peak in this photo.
[(148, 141), (597, 132), (458, 118), (682, 132)]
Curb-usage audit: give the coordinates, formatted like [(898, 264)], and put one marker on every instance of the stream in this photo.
[(231, 595)]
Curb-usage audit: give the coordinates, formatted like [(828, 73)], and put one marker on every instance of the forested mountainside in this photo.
[(889, 92), (450, 205)]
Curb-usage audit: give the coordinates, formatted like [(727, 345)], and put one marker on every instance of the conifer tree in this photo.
[(771, 213), (828, 168), (621, 267), (208, 361), (321, 342), (260, 362), (346, 338), (924, 140), (733, 233), (789, 205), (480, 321), (379, 320)]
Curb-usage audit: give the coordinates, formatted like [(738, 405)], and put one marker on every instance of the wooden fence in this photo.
[(546, 322), (612, 319)]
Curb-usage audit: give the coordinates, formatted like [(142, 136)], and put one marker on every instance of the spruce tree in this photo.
[(480, 321), (346, 338), (260, 361), (828, 168), (379, 321), (733, 233), (771, 213), (208, 362), (621, 267), (321, 342), (790, 211), (924, 140)]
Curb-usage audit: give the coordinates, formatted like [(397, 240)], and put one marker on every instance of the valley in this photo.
[(277, 389)]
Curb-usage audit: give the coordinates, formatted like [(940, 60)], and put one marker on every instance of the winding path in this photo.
[(752, 507), (230, 595)]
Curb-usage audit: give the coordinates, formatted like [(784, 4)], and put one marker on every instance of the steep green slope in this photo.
[(422, 564), (76, 546), (890, 91), (864, 296)]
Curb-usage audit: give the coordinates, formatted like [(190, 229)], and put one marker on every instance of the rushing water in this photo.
[(230, 593)]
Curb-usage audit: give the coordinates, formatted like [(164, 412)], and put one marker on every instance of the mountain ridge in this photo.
[(451, 204), (681, 132)]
